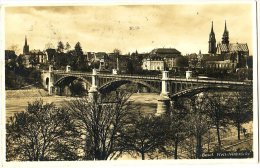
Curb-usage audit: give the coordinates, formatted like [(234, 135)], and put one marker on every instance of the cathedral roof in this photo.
[(233, 47), (165, 51)]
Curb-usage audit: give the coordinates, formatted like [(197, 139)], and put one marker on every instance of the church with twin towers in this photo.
[(225, 54)]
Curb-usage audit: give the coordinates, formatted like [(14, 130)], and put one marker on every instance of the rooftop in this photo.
[(165, 51)]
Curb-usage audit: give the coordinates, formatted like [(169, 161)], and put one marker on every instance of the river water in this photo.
[(17, 101)]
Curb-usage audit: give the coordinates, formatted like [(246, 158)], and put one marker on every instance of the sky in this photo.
[(103, 28)]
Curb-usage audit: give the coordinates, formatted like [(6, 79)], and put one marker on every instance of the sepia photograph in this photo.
[(129, 82)]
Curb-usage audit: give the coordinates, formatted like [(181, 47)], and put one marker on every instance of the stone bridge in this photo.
[(169, 88)]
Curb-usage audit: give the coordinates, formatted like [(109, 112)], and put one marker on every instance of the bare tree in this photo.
[(217, 110), (42, 132), (241, 110), (101, 123), (198, 121), (144, 136), (177, 131)]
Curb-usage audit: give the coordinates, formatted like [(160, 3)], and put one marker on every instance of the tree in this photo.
[(117, 52), (67, 46), (143, 136), (177, 132), (14, 48), (78, 49), (33, 61), (81, 59), (20, 61), (217, 112), (130, 67), (101, 124), (60, 47), (49, 45), (198, 121), (42, 132), (182, 62), (241, 110)]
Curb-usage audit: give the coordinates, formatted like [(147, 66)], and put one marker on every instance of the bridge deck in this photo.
[(156, 78)]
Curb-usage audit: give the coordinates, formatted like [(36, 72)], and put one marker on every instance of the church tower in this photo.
[(225, 37), (25, 47), (212, 41)]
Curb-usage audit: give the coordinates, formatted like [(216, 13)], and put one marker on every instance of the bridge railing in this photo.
[(158, 77), (212, 81)]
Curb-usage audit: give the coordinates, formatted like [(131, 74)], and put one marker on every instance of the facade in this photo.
[(153, 63), (39, 56), (168, 55), (238, 51)]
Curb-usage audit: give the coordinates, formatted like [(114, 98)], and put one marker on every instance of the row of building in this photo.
[(222, 55)]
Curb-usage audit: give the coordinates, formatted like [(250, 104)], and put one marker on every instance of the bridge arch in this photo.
[(196, 90), (113, 85), (66, 80)]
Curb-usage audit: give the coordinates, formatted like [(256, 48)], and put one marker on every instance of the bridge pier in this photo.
[(93, 91), (47, 79), (163, 104)]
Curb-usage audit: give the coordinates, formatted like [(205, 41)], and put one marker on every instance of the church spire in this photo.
[(225, 25), (212, 27), (25, 41), (212, 41), (225, 37), (25, 47)]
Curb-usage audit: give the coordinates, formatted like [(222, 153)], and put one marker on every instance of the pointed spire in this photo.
[(212, 41), (225, 37), (225, 25), (26, 46), (212, 26), (25, 41)]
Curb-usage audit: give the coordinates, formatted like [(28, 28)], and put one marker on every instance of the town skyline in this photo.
[(103, 28)]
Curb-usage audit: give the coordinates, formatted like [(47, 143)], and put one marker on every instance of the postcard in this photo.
[(132, 83)]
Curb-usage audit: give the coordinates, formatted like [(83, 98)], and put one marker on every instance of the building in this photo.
[(102, 58), (39, 56), (227, 55), (153, 63), (168, 55), (33, 57)]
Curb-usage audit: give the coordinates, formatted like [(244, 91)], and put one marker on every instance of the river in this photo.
[(17, 101)]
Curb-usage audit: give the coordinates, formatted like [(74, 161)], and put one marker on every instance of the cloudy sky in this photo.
[(185, 27)]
